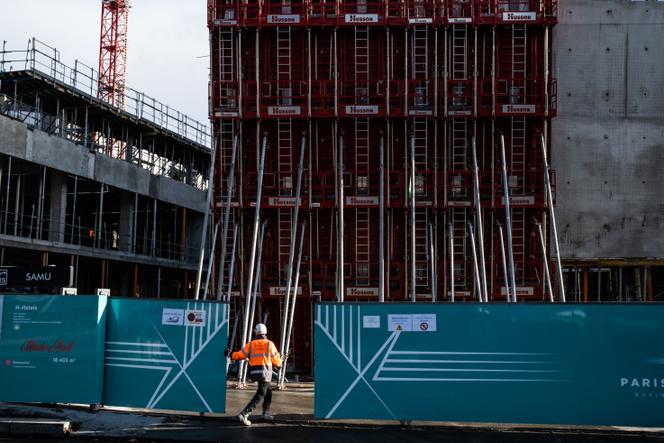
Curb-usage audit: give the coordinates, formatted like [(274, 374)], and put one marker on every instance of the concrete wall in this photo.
[(608, 138), (57, 153)]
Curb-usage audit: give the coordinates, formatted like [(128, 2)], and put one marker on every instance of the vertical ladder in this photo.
[(225, 154), (285, 150), (284, 65), (459, 220), (519, 242), (422, 247), (421, 138), (518, 154), (519, 53), (362, 242), (362, 218), (459, 157), (420, 64), (284, 221), (361, 61), (459, 52), (227, 93), (421, 133), (226, 54)]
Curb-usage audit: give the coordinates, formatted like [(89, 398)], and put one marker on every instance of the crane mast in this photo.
[(113, 51)]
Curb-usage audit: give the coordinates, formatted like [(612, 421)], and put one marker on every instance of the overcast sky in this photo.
[(166, 40)]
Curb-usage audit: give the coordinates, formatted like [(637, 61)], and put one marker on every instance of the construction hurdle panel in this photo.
[(51, 348), (503, 363), (166, 354)]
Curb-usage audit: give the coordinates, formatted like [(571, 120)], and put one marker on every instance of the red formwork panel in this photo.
[(362, 12), (283, 85), (284, 13), (322, 73), (524, 162), (323, 13), (362, 85), (517, 11), (522, 85), (527, 254), (321, 167), (280, 174)]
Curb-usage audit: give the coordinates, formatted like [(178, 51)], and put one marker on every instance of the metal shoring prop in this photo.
[(232, 267), (547, 276), (478, 214), (381, 224), (227, 213), (293, 233), (502, 253), (552, 214), (450, 229), (211, 260), (432, 253), (413, 291), (243, 380), (478, 283), (206, 217), (508, 217), (282, 372), (340, 227), (228, 297), (254, 241)]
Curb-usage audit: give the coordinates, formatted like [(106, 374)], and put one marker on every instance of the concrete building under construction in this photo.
[(117, 192)]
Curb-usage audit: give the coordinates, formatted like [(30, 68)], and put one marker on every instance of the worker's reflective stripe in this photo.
[(244, 352)]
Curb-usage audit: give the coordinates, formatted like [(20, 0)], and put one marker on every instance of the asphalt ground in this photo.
[(294, 421)]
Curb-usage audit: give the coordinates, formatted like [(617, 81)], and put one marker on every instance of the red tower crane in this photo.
[(113, 51)]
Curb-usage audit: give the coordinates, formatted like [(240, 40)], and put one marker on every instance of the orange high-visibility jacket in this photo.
[(262, 355)]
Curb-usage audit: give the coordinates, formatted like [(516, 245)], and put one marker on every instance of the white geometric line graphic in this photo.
[(187, 359), (430, 366), (144, 344), (360, 373), (151, 360), (124, 351), (190, 353)]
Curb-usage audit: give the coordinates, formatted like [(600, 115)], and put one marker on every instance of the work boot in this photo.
[(244, 419), (267, 416)]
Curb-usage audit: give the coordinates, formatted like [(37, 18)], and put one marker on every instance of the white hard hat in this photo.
[(260, 329)]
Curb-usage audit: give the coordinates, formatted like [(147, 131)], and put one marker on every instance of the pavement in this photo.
[(294, 421)]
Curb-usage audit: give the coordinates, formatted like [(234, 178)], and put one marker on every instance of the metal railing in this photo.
[(45, 60)]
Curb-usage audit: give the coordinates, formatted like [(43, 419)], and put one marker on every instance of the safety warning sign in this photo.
[(399, 322), (412, 322), (424, 322)]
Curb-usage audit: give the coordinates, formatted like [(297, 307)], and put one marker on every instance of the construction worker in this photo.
[(263, 357)]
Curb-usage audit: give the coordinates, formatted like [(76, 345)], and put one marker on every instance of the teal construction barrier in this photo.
[(166, 354), (503, 363), (156, 354), (51, 348)]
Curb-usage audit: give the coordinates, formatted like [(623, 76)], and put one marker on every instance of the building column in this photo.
[(58, 207), (127, 209)]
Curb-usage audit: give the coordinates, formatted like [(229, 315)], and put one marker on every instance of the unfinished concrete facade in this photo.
[(609, 151), (117, 193)]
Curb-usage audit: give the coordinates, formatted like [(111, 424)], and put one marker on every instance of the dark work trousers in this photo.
[(264, 390)]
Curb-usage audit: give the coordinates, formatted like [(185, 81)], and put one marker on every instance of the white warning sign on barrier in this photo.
[(399, 322), (371, 321), (424, 322)]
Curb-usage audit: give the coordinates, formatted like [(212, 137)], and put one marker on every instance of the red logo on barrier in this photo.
[(8, 362)]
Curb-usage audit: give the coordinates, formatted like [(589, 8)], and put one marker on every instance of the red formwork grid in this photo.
[(420, 79)]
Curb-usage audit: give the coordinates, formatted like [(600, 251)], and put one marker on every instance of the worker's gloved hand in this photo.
[(226, 352)]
